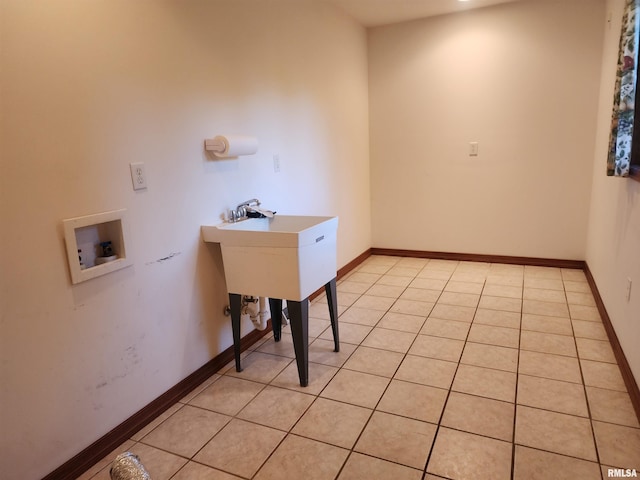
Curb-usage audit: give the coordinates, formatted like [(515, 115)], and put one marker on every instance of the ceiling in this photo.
[(373, 13)]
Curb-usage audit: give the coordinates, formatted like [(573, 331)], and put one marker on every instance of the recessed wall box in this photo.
[(83, 236)]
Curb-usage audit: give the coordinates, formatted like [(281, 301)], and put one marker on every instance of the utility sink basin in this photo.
[(286, 257)]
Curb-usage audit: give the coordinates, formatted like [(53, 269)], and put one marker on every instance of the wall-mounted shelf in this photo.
[(86, 233)]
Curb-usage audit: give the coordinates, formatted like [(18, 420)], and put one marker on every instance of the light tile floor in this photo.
[(447, 369)]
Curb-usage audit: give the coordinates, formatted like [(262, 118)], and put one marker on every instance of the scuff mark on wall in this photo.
[(164, 259)]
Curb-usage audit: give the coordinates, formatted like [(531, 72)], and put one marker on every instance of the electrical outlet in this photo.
[(629, 282), (138, 176), (276, 163), (473, 149)]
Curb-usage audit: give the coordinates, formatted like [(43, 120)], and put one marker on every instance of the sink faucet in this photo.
[(247, 203), (240, 212)]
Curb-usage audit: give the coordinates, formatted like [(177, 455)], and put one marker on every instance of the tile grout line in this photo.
[(515, 398), (397, 368), (373, 410), (390, 379), (444, 406), (584, 384)]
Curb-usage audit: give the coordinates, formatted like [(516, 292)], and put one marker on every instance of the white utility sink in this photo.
[(286, 257)]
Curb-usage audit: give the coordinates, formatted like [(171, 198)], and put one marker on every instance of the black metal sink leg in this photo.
[(235, 304), (332, 300), (299, 322), (275, 304)]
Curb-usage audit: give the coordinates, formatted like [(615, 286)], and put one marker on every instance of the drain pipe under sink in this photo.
[(258, 312)]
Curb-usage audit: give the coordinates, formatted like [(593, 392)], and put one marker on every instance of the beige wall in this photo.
[(613, 247), (87, 88), (520, 79)]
